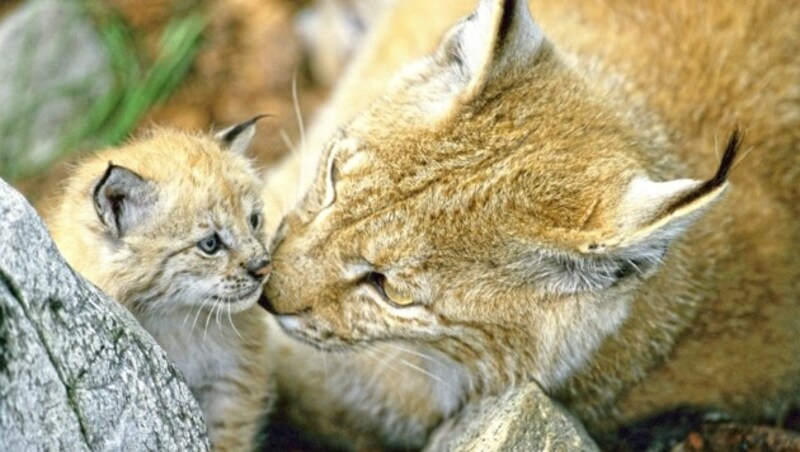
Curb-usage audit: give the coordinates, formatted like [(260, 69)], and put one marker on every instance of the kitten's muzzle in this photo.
[(259, 269)]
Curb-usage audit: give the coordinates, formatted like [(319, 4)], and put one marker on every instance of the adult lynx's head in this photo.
[(492, 205), (168, 223)]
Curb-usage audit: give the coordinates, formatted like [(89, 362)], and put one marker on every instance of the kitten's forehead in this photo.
[(199, 183)]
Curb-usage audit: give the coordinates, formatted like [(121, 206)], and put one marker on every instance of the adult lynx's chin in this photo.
[(545, 202)]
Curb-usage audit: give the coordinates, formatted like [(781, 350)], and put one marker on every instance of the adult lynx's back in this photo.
[(548, 202)]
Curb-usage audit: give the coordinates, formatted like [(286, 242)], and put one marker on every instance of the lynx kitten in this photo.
[(170, 226)]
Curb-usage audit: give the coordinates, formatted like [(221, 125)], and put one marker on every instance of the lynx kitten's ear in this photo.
[(238, 138), (123, 199), (499, 36)]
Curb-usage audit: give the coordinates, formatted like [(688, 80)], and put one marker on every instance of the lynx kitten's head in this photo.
[(492, 205), (169, 222)]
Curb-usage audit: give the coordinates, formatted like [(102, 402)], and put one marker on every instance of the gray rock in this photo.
[(54, 70), (76, 370), (523, 419)]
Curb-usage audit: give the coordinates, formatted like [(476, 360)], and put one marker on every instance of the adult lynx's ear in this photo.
[(653, 211), (649, 217), (497, 37), (123, 199), (238, 138)]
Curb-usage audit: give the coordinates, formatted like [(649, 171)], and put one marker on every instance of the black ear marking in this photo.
[(238, 137), (506, 20), (720, 177), (728, 158), (121, 199)]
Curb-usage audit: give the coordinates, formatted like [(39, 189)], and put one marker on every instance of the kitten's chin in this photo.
[(239, 304)]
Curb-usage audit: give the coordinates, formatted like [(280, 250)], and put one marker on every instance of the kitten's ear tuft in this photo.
[(238, 138), (499, 35), (123, 199)]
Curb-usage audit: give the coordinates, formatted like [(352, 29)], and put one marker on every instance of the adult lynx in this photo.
[(516, 207)]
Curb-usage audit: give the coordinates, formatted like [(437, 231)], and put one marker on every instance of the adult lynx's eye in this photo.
[(388, 291), (210, 245), (255, 220)]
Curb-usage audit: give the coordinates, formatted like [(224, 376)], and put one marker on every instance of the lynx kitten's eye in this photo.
[(210, 245), (387, 291), (255, 220)]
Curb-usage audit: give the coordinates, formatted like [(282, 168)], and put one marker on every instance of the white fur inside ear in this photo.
[(644, 215), (475, 38), (644, 194), (480, 36)]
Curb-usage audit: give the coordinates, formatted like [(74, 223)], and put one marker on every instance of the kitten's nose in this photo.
[(259, 268)]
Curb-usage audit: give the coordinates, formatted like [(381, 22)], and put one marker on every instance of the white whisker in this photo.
[(301, 127), (415, 367), (425, 372), (230, 320), (413, 352), (216, 317), (199, 309), (208, 317), (186, 318), (288, 142), (384, 362), (741, 158)]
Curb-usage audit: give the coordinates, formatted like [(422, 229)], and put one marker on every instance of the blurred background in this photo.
[(80, 75)]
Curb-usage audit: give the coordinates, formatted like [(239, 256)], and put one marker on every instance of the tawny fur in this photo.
[(195, 306), (500, 180)]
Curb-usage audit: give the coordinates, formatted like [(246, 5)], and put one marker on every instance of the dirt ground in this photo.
[(248, 60)]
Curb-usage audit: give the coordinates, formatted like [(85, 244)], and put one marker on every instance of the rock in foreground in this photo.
[(522, 419), (76, 370)]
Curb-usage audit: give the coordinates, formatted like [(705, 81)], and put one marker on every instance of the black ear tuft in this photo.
[(506, 21), (122, 199), (720, 177), (237, 138), (728, 158)]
